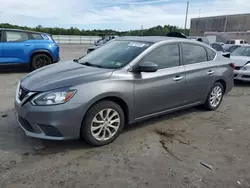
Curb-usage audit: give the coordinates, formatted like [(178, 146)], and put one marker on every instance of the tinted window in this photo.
[(217, 47), (232, 42), (228, 42), (232, 48), (36, 36), (241, 42), (210, 54), (13, 36), (165, 56), (193, 53)]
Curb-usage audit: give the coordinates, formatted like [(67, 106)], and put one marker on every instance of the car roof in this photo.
[(153, 39), (28, 31)]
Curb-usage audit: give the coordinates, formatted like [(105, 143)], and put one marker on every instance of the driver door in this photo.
[(161, 90)]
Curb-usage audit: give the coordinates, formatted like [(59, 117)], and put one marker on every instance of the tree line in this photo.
[(154, 31)]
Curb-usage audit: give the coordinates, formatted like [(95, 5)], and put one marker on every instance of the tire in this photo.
[(40, 60), (209, 105), (93, 121)]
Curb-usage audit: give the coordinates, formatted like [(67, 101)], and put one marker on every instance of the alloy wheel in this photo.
[(105, 124), (216, 96)]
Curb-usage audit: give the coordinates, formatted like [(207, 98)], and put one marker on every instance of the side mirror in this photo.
[(147, 67)]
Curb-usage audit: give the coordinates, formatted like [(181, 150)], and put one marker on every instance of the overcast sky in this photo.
[(113, 14)]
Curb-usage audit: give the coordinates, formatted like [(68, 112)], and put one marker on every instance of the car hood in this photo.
[(240, 61), (63, 74)]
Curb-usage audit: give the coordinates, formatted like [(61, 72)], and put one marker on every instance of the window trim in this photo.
[(1, 36), (5, 36), (165, 44), (205, 48)]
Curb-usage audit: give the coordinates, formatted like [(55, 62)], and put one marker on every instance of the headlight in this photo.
[(53, 97), (246, 67)]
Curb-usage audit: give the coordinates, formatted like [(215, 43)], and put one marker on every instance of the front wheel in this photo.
[(215, 96), (103, 123)]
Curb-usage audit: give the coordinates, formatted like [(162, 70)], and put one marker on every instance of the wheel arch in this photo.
[(46, 52), (223, 82), (114, 98)]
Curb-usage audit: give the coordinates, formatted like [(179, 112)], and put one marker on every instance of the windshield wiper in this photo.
[(91, 64)]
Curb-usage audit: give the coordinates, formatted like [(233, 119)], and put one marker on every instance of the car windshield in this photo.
[(242, 51), (115, 54)]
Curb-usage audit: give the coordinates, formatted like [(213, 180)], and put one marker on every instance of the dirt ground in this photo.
[(192, 148)]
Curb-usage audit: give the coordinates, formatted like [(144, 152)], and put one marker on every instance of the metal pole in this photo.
[(225, 25), (185, 27)]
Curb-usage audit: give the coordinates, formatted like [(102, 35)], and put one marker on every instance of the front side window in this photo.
[(193, 53), (165, 56), (241, 51), (115, 54), (14, 36)]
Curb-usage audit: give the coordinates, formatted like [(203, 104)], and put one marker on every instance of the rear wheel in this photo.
[(215, 96), (40, 60), (103, 123)]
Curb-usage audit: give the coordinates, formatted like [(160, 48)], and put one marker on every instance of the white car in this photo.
[(241, 58)]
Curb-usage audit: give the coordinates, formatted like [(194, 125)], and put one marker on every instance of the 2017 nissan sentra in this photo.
[(127, 80)]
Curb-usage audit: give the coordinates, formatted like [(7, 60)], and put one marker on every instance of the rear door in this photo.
[(15, 47), (1, 47), (161, 90), (200, 70)]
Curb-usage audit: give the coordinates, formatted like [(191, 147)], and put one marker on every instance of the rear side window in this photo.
[(165, 56), (14, 36), (210, 54), (36, 36), (193, 53)]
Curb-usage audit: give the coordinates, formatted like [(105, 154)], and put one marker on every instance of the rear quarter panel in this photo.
[(45, 45), (224, 72)]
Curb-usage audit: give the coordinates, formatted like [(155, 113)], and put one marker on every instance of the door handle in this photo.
[(178, 78), (210, 72)]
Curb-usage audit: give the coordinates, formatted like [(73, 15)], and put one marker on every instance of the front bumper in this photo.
[(61, 122), (242, 75)]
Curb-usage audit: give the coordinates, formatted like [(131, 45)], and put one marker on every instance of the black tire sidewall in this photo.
[(208, 104), (86, 134), (33, 61)]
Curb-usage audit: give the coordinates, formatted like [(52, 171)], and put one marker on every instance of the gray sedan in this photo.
[(125, 81)]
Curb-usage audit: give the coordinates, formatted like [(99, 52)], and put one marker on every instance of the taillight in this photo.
[(232, 65)]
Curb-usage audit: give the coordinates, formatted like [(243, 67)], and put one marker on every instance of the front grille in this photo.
[(237, 68), (22, 93), (246, 76), (25, 124)]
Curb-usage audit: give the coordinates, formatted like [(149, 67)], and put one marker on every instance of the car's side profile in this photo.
[(19, 48), (124, 81)]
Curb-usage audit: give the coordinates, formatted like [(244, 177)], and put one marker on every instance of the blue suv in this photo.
[(27, 48)]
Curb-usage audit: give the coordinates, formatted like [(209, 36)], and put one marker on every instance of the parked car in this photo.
[(218, 47), (241, 58), (200, 39), (27, 48), (125, 81), (104, 40), (92, 48), (236, 41), (230, 49)]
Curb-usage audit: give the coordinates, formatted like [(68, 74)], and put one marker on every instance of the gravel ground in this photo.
[(163, 152)]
